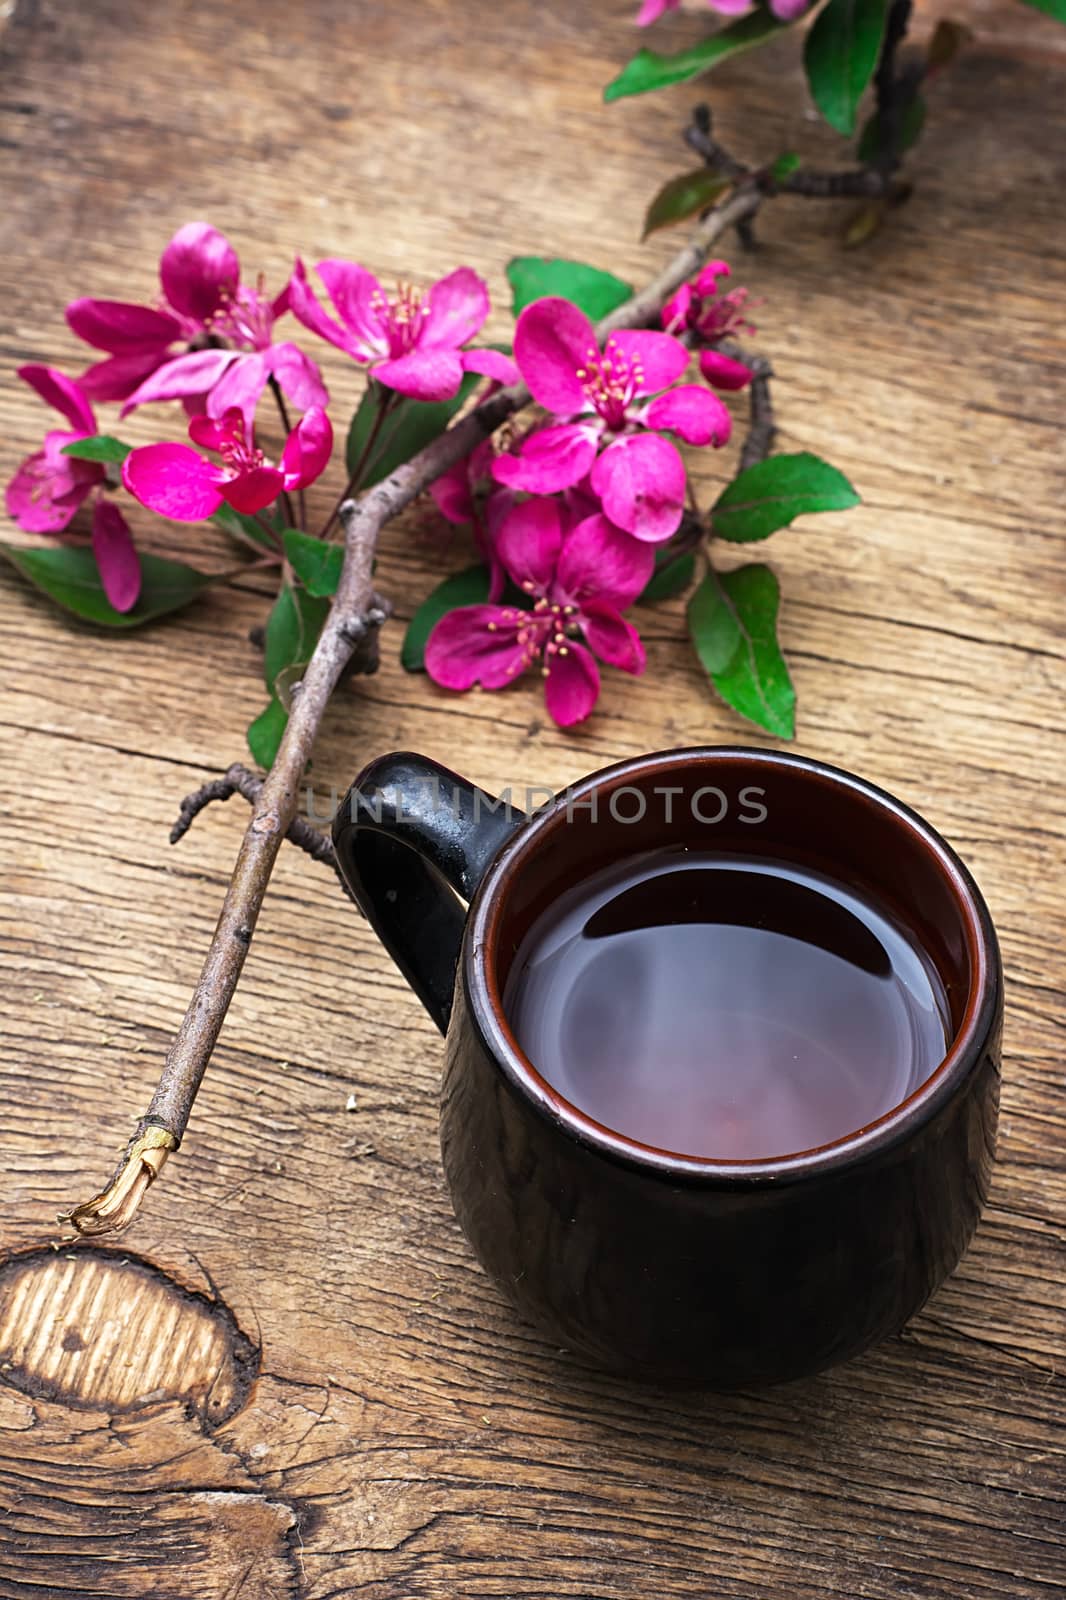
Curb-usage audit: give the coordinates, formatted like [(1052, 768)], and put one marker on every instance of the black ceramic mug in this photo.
[(659, 1264)]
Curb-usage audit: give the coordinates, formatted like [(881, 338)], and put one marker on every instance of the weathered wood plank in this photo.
[(405, 1436)]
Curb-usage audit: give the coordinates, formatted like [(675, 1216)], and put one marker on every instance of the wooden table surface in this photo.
[(292, 1379)]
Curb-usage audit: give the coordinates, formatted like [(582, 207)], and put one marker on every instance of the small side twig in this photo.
[(239, 779), (762, 428), (699, 136), (893, 91), (856, 183)]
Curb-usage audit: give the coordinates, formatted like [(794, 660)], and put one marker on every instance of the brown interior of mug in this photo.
[(756, 804)]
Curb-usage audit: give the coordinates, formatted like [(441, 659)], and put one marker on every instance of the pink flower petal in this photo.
[(528, 543), (355, 293), (452, 493), (475, 644), (723, 372), (252, 491), (198, 270), (661, 357), (195, 373), (298, 376), (652, 10), (458, 305), (66, 468), (118, 376), (552, 341), (693, 412), (613, 639), (675, 311), (641, 482), (491, 364), (174, 481), (599, 561), (211, 432), (119, 327), (422, 374), (306, 308), (120, 570), (42, 501), (707, 281), (307, 449), (730, 8), (787, 10), (498, 507), (572, 686), (239, 387), (62, 393), (549, 459)]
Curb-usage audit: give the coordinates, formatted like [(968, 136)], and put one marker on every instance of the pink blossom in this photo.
[(49, 487), (411, 340), (580, 577), (699, 308), (783, 10), (176, 481), (608, 427), (466, 495), (203, 298)]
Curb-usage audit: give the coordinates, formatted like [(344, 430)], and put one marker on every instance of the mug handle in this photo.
[(411, 838)]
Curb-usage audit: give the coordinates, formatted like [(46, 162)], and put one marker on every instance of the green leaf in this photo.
[(670, 577), (68, 575), (292, 631), (840, 55), (650, 70), (264, 734), (97, 447), (784, 166), (470, 587), (596, 292), (242, 527), (732, 618), (908, 133), (1053, 8), (408, 428), (316, 563), (683, 197), (774, 492)]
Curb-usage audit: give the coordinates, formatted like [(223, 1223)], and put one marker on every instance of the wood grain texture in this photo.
[(406, 1436)]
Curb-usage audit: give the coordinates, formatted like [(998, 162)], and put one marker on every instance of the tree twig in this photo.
[(849, 183), (353, 616), (699, 136), (239, 779), (762, 429), (858, 183), (893, 91), (160, 1130)]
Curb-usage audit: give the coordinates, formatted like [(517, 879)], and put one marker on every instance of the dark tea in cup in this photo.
[(726, 1006)]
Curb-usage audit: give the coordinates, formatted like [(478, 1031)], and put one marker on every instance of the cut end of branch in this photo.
[(115, 1208)]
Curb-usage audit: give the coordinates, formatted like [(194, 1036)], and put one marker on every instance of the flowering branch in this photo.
[(357, 612)]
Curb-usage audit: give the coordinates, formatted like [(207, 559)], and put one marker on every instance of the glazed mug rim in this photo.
[(478, 970)]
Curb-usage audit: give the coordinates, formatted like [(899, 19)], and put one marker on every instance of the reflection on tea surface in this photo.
[(726, 1006)]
